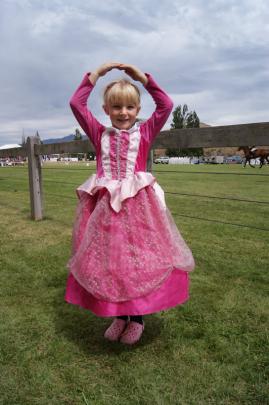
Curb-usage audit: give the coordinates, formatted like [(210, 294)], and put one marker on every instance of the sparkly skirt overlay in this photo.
[(129, 262)]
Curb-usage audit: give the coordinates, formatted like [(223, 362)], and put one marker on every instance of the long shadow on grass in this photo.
[(86, 330)]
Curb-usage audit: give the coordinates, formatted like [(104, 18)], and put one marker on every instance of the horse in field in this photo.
[(254, 153)]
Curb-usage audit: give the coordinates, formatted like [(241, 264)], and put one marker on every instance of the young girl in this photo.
[(129, 258)]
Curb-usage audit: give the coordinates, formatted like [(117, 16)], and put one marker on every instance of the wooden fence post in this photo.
[(35, 178), (150, 161)]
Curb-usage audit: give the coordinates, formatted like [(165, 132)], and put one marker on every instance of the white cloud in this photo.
[(211, 55)]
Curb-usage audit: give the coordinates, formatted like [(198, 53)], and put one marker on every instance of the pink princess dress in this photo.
[(128, 257)]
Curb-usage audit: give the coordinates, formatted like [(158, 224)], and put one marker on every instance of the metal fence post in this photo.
[(35, 178)]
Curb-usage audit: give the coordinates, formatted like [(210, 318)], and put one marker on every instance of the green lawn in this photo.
[(212, 350)]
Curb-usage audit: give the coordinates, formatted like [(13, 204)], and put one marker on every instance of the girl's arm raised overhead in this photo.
[(164, 106), (163, 102), (78, 104)]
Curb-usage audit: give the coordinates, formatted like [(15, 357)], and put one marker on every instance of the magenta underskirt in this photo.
[(173, 291)]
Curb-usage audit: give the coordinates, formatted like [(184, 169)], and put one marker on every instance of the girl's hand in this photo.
[(102, 70), (134, 73), (130, 70), (106, 67)]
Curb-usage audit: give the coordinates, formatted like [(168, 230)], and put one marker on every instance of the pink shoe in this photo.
[(115, 330), (132, 333)]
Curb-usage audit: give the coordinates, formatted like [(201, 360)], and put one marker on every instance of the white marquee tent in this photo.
[(10, 146)]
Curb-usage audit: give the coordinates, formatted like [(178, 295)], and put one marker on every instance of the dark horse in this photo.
[(254, 153)]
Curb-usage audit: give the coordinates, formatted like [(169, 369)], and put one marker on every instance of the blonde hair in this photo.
[(121, 91)]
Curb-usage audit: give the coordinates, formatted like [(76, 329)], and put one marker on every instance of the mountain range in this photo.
[(67, 138)]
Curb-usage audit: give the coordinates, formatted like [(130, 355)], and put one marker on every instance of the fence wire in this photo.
[(69, 170), (91, 168), (176, 194), (166, 192), (215, 173), (216, 197), (221, 222)]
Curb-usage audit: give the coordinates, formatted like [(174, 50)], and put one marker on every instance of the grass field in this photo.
[(212, 350)]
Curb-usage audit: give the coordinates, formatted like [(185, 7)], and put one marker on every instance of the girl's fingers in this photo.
[(128, 68), (115, 64), (106, 67)]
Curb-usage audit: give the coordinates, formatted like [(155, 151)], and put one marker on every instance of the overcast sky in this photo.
[(211, 55)]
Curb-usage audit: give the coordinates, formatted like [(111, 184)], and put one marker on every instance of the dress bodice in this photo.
[(118, 153)]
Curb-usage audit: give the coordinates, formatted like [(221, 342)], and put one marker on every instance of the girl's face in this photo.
[(122, 115)]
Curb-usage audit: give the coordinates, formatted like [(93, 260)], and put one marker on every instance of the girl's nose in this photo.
[(123, 110)]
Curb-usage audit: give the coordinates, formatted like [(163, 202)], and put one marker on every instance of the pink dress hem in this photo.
[(173, 292)]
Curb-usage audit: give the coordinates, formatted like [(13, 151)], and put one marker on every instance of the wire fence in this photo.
[(69, 170), (166, 192), (212, 173), (222, 222), (217, 198), (73, 197), (221, 136)]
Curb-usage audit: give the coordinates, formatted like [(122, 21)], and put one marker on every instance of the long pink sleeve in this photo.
[(86, 120), (164, 106)]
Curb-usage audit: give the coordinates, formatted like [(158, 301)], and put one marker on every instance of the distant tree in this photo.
[(193, 120), (77, 135), (182, 118), (180, 115), (172, 152)]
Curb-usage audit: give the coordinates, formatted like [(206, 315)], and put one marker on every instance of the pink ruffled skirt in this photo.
[(127, 263)]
